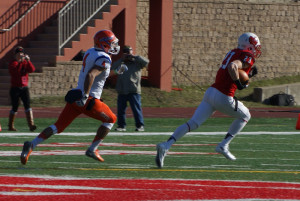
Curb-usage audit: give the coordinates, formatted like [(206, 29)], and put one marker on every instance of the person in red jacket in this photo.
[(19, 69)]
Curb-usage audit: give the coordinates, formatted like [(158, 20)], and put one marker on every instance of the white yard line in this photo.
[(153, 133)]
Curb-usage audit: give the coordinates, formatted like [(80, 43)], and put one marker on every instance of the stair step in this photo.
[(4, 78), (4, 72), (4, 101), (39, 65), (48, 37), (114, 2), (38, 44), (54, 22), (5, 86), (50, 59), (4, 93), (51, 29), (41, 50)]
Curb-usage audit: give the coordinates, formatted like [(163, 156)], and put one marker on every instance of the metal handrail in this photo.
[(73, 16), (19, 20)]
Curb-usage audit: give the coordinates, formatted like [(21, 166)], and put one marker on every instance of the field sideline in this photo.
[(58, 169)]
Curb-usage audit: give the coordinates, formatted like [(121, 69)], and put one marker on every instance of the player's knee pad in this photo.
[(192, 125), (108, 125), (247, 116)]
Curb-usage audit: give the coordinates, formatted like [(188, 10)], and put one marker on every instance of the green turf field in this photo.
[(263, 157)]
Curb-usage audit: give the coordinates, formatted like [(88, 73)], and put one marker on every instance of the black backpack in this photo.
[(282, 99)]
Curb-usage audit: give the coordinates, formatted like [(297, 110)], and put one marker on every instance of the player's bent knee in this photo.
[(247, 117)]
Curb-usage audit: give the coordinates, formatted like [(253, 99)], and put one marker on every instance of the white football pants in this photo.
[(214, 100)]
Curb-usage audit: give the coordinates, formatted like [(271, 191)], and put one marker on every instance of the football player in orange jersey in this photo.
[(220, 96), (85, 98)]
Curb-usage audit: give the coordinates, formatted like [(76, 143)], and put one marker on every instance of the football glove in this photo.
[(253, 71), (239, 85), (81, 102)]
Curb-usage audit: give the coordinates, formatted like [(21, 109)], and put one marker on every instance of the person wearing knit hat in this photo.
[(19, 68)]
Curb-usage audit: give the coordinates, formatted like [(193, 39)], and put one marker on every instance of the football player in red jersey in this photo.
[(85, 98), (220, 96)]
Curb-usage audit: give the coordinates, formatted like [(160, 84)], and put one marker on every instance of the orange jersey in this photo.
[(223, 81)]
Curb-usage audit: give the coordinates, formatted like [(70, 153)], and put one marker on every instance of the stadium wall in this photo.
[(205, 30)]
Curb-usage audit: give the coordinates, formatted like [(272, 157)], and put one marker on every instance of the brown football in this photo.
[(244, 78)]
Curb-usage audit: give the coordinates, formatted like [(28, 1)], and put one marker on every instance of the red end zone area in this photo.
[(54, 188)]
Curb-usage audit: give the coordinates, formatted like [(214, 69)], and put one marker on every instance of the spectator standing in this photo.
[(19, 69), (129, 88)]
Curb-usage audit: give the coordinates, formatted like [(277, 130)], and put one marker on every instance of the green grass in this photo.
[(161, 124), (259, 157)]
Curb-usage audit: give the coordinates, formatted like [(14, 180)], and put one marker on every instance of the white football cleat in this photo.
[(120, 129), (225, 151), (161, 153)]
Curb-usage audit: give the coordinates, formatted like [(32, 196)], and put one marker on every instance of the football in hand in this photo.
[(244, 78)]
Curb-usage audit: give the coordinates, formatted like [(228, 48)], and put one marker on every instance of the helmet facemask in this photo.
[(114, 47)]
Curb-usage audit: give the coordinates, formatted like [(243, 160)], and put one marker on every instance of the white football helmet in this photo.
[(250, 41)]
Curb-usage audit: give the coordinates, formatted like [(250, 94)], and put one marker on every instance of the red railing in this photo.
[(28, 27)]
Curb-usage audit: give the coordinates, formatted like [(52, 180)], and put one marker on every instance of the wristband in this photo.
[(239, 84)]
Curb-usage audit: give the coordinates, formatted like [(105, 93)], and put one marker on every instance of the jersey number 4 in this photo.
[(84, 61)]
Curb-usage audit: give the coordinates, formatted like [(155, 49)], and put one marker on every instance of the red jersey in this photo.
[(19, 73), (223, 81)]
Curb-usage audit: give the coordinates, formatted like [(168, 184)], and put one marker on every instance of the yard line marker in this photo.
[(102, 152), (81, 144), (181, 170), (153, 133)]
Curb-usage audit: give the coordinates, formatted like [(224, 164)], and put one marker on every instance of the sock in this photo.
[(95, 143), (227, 139), (178, 133), (170, 142), (39, 139)]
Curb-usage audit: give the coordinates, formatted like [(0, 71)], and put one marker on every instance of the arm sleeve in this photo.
[(142, 61), (13, 69), (29, 67), (103, 62)]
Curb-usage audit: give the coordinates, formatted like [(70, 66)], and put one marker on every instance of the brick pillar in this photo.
[(160, 44), (130, 23), (124, 26)]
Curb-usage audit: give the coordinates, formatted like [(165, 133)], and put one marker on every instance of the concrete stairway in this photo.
[(43, 51), (4, 86)]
